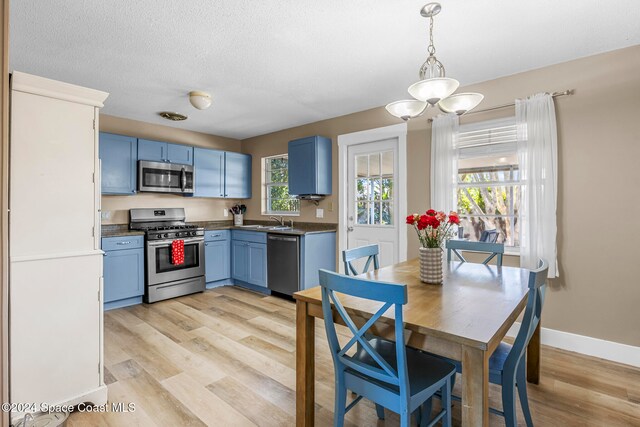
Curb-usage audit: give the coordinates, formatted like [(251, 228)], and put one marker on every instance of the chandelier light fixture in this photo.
[(433, 88)]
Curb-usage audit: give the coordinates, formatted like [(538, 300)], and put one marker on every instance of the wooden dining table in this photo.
[(464, 319)]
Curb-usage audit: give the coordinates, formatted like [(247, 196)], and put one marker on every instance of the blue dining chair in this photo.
[(507, 364), (371, 252), (493, 249), (489, 236), (385, 372)]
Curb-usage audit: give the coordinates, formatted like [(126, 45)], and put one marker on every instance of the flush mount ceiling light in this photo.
[(200, 100), (176, 117), (433, 88)]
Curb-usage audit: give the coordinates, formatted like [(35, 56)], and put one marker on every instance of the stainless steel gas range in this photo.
[(164, 279)]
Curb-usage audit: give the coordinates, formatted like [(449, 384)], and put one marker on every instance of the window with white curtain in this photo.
[(489, 187), (277, 199)]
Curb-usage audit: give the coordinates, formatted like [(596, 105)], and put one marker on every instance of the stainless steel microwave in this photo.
[(163, 177)]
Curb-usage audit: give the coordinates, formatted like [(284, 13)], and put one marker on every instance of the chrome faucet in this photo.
[(278, 220)]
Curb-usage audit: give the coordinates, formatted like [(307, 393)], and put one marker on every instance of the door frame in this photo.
[(397, 132)]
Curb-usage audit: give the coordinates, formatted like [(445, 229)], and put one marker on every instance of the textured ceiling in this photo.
[(274, 64)]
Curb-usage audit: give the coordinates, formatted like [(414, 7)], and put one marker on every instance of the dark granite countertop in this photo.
[(117, 230), (299, 229)]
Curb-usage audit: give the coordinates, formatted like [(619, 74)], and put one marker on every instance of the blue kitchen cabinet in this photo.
[(237, 182), (310, 166), (217, 251), (317, 251), (209, 176), (158, 151), (154, 151), (177, 153), (118, 155), (258, 264), (249, 257), (123, 271), (240, 260)]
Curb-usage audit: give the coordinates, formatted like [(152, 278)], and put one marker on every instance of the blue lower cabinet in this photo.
[(123, 271), (258, 264), (217, 263), (317, 250), (240, 260), (249, 257)]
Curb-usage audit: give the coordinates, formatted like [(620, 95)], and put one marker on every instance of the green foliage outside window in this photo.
[(277, 188)]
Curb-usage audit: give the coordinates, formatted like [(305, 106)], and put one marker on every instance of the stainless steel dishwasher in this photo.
[(283, 263)]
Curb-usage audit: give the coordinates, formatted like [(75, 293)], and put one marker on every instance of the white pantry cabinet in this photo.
[(55, 282)]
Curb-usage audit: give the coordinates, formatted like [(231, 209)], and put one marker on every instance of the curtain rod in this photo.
[(567, 92)]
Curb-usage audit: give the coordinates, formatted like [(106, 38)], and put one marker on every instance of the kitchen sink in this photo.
[(280, 227), (254, 226)]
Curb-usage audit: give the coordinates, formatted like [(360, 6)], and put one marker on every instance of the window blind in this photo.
[(489, 138)]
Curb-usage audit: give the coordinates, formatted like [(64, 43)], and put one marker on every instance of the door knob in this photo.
[(349, 228)]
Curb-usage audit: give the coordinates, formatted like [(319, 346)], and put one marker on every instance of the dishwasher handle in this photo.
[(282, 238)]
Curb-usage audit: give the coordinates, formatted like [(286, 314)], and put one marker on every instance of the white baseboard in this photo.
[(609, 350)]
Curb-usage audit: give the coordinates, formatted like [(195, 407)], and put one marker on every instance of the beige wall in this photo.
[(598, 291), (197, 209)]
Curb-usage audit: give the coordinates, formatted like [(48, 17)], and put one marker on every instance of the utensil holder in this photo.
[(238, 219)]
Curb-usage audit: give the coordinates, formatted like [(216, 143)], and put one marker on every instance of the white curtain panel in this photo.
[(444, 162), (538, 157)]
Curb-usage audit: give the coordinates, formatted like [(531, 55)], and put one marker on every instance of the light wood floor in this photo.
[(226, 358)]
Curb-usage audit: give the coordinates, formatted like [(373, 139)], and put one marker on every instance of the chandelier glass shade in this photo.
[(460, 103), (407, 108), (433, 88)]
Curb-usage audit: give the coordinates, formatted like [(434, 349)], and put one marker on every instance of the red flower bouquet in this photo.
[(433, 227)]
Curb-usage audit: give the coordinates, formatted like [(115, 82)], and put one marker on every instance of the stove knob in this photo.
[(193, 233), (166, 235)]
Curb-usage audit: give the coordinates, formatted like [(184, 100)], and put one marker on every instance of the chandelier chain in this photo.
[(431, 48)]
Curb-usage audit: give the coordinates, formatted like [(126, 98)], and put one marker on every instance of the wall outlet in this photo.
[(105, 215), (319, 213), (330, 207), (225, 212)]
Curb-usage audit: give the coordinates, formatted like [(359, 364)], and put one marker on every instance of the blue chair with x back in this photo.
[(493, 249), (370, 252), (385, 372), (507, 364), (489, 236)]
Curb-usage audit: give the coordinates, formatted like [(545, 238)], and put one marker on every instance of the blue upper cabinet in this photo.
[(182, 154), (154, 151), (209, 177), (237, 183), (310, 166), (158, 151), (118, 154)]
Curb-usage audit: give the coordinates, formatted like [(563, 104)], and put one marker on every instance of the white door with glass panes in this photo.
[(372, 218)]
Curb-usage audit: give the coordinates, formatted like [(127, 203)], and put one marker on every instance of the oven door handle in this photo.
[(165, 243), (183, 180)]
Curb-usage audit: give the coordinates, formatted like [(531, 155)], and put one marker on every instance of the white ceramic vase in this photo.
[(431, 265)]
